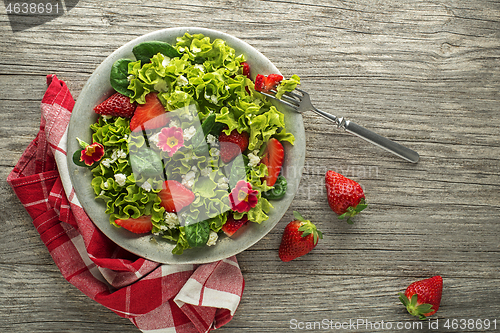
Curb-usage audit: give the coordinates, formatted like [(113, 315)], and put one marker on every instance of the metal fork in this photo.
[(299, 101)]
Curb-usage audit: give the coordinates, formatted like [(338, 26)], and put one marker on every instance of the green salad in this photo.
[(185, 148)]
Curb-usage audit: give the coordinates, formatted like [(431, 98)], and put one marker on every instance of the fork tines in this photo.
[(290, 99)]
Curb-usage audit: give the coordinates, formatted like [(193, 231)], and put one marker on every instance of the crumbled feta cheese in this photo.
[(211, 98), (214, 152), (188, 133), (212, 140), (171, 220), (102, 192), (181, 49), (212, 238), (121, 154), (105, 185), (146, 186), (223, 183), (120, 178), (166, 61), (154, 140), (253, 158), (196, 49), (200, 67), (173, 123), (223, 186), (130, 77), (206, 171), (182, 81), (188, 179), (106, 162)]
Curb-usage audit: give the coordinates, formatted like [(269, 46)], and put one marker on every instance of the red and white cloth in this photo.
[(155, 297)]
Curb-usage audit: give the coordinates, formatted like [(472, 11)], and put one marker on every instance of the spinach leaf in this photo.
[(146, 50), (203, 130), (217, 128), (278, 191), (146, 162), (119, 77), (197, 233)]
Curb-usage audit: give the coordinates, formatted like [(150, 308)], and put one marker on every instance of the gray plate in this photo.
[(155, 248)]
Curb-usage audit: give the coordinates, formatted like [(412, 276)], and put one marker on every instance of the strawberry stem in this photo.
[(308, 227), (412, 307), (352, 211)]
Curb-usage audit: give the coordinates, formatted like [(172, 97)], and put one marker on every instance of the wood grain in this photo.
[(423, 73)]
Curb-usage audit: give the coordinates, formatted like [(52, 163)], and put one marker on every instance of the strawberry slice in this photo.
[(232, 145), (267, 83), (150, 115), (140, 225), (117, 105), (274, 155), (246, 69), (232, 225), (175, 196)]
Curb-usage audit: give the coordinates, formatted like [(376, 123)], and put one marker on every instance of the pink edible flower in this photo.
[(242, 197), (170, 139), (92, 153)]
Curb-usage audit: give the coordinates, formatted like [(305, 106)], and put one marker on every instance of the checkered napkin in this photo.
[(155, 297)]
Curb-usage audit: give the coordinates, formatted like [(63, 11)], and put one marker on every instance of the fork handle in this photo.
[(372, 137), (382, 142)]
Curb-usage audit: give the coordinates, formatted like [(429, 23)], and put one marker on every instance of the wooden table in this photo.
[(423, 73)]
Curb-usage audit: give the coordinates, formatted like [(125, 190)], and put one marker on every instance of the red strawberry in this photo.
[(422, 298), (274, 155), (232, 225), (345, 196), (150, 115), (232, 145), (267, 83), (246, 69), (139, 225), (117, 105), (299, 238), (175, 196)]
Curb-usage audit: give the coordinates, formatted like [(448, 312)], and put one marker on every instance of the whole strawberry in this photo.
[(299, 238), (345, 196), (422, 298), (117, 105)]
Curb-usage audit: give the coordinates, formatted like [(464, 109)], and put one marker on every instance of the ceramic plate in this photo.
[(152, 247)]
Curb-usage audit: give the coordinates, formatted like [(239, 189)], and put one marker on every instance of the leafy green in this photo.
[(278, 191), (119, 77), (200, 83), (146, 50), (287, 85), (197, 233), (146, 162)]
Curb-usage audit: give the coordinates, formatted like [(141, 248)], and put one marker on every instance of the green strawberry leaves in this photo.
[(308, 227), (352, 211), (413, 308)]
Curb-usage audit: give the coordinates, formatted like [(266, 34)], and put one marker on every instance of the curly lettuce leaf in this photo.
[(287, 85)]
